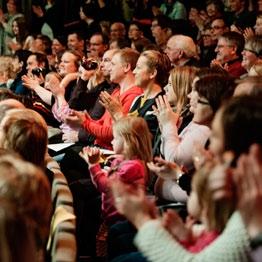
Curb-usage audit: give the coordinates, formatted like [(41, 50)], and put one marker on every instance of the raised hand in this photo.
[(91, 155), (248, 181), (164, 111), (132, 203), (75, 119), (175, 226), (30, 81), (165, 169)]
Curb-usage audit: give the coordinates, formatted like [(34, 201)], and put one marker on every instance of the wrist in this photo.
[(140, 219)]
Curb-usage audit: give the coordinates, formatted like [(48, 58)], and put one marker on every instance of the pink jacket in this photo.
[(131, 172)]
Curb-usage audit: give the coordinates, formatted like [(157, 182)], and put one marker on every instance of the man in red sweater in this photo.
[(121, 72)]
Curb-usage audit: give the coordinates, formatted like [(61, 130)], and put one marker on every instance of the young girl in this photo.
[(201, 207), (132, 146)]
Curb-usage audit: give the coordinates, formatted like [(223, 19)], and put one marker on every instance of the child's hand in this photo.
[(175, 226), (91, 155)]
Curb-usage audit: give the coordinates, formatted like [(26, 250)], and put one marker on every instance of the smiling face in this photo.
[(67, 64), (203, 112), (143, 75), (134, 33), (15, 28), (225, 51), (249, 57), (117, 69)]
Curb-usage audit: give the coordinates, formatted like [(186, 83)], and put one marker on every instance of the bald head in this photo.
[(180, 47), (117, 31)]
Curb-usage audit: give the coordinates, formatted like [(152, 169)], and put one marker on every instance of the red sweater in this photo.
[(128, 171), (201, 242), (102, 128)]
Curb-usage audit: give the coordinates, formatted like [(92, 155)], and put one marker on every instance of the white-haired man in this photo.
[(182, 51)]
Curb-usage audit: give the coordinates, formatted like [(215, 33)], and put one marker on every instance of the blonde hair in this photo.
[(8, 67), (135, 132), (160, 62), (25, 190), (181, 80), (257, 69), (217, 212)]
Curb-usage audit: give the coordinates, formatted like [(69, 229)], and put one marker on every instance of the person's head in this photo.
[(152, 67), (258, 25), (180, 48), (105, 65), (130, 141), (69, 62), (19, 28), (252, 52), (236, 5), (214, 9), (98, 44), (203, 72), (37, 60), (8, 69), (142, 44), (200, 204), (229, 46), (207, 39), (24, 131), (27, 190), (212, 91), (218, 28), (42, 44), (87, 11), (237, 125), (161, 29), (122, 64), (13, 6), (58, 45), (117, 31), (135, 31), (75, 41), (179, 86), (249, 85)]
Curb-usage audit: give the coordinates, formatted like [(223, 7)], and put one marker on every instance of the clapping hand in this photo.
[(91, 155), (75, 119), (112, 105), (164, 111)]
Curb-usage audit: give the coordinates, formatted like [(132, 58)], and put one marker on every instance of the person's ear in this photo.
[(127, 67), (153, 74)]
